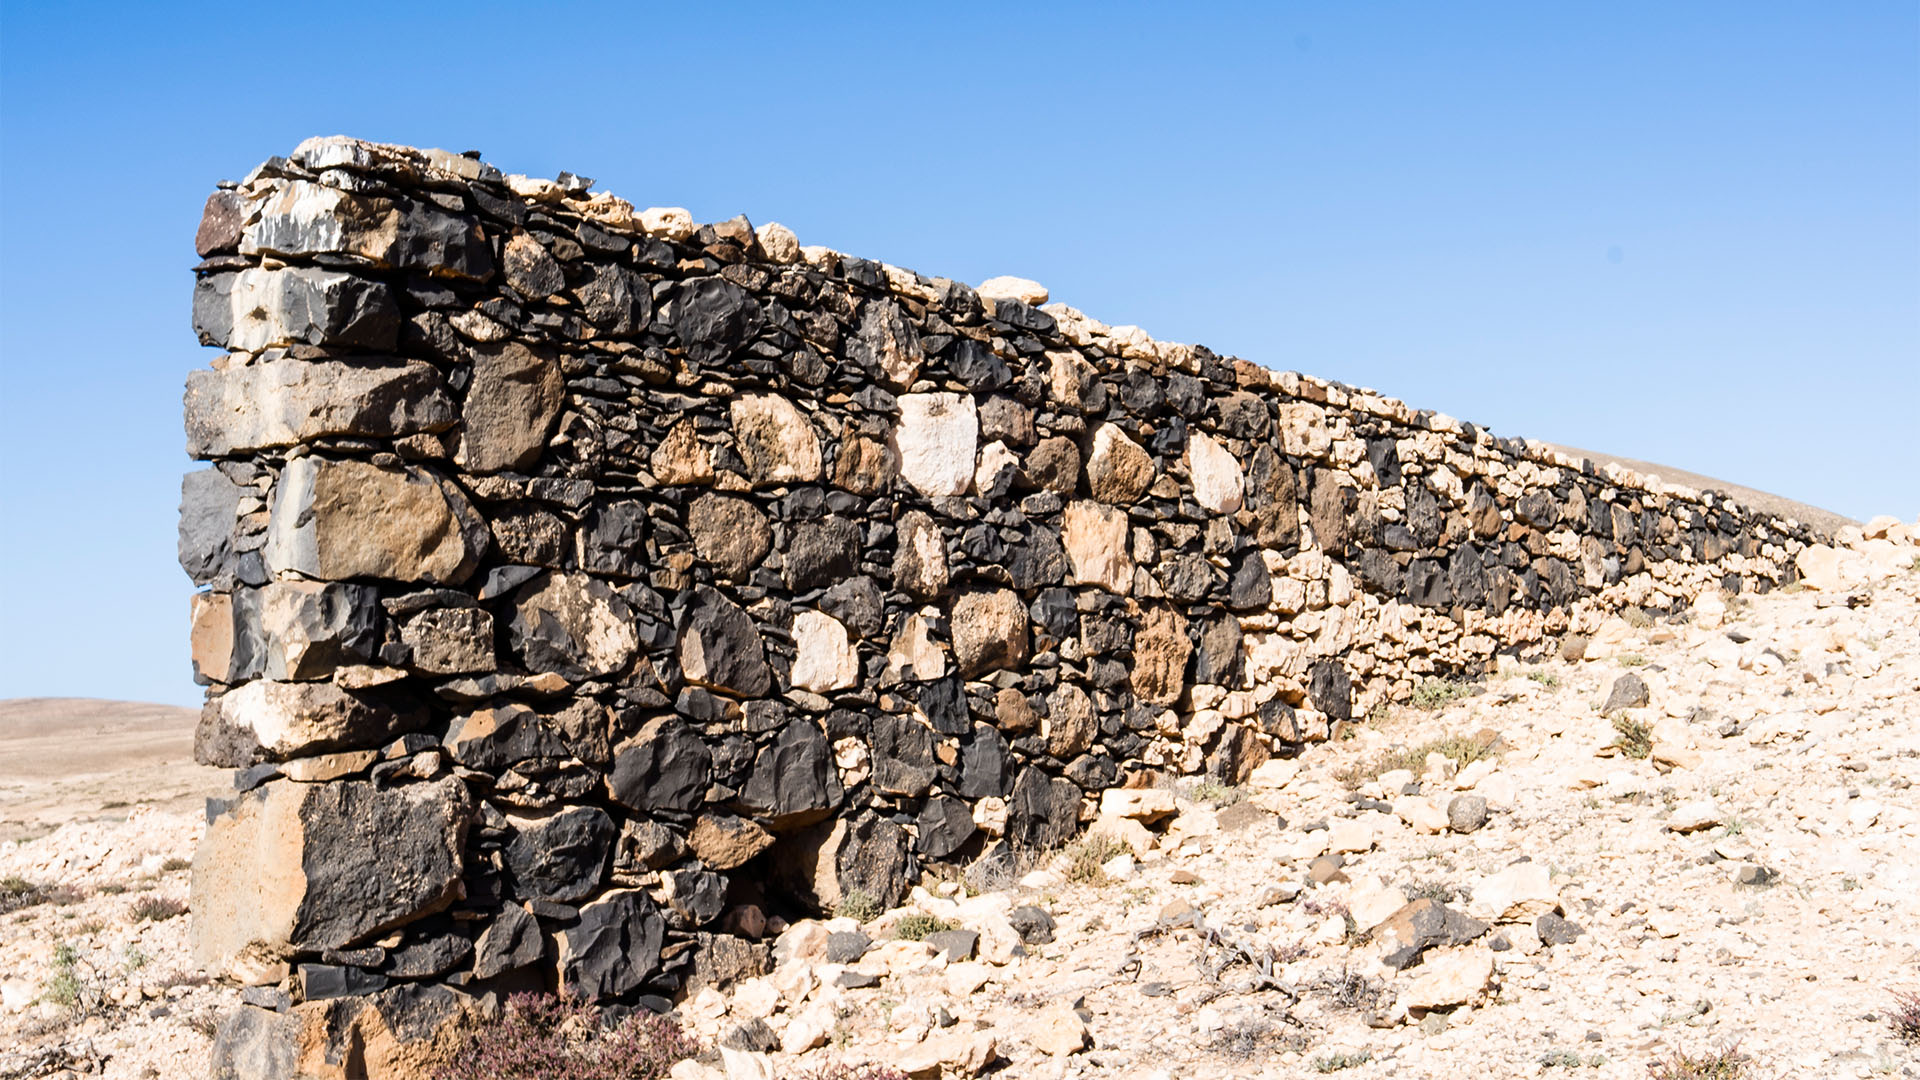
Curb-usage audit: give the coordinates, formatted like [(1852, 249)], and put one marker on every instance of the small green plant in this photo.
[(1734, 826), (1631, 660), (150, 908), (1379, 714), (133, 959), (1431, 890), (1085, 859), (1848, 884), (1545, 678), (918, 925), (63, 988), (1633, 737), (1434, 694), (1342, 1060), (1637, 617), (858, 905), (1904, 1017), (1562, 1059), (1725, 1063), (1215, 792)]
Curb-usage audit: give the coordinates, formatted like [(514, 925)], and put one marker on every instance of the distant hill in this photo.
[(65, 759), (1824, 520), (42, 738)]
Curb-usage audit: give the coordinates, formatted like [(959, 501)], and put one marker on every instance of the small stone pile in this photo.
[(584, 584)]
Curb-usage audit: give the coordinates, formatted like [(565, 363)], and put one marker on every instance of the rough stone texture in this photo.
[(1119, 471), (293, 868), (287, 402), (936, 439), (730, 533), (989, 631), (335, 520), (776, 441), (824, 658), (709, 564), (512, 401), (572, 625)]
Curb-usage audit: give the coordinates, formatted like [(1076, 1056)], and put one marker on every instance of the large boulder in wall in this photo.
[(293, 867)]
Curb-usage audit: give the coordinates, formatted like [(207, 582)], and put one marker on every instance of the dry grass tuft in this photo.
[(1084, 859), (1725, 1063)]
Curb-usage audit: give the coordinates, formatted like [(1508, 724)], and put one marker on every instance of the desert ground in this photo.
[(1690, 835)]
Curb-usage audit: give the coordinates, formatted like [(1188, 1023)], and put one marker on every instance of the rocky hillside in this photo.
[(1682, 836)]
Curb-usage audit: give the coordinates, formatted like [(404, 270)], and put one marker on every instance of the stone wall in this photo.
[(584, 585)]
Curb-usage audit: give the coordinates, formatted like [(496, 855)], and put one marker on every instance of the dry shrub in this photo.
[(18, 892), (1084, 859), (541, 1037), (152, 908), (841, 1071), (1725, 1063), (1904, 1016)]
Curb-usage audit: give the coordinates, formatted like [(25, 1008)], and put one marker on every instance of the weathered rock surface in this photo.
[(336, 520), (292, 867), (286, 402), (512, 401)]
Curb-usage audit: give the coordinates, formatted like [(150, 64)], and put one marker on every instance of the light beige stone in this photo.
[(998, 465), (1218, 482), (1448, 977), (935, 439), (777, 441), (914, 654), (1421, 814), (1095, 536), (956, 1053), (289, 719), (1351, 835), (671, 223), (778, 243), (1143, 804), (989, 631), (1694, 816), (1060, 1031), (1126, 830), (1521, 892), (1006, 287), (681, 458), (824, 657)]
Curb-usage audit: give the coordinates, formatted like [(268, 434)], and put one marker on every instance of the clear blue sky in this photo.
[(1688, 233)]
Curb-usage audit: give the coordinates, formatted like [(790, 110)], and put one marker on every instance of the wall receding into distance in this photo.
[(580, 580)]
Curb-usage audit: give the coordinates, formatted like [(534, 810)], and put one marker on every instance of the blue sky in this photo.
[(1688, 233)]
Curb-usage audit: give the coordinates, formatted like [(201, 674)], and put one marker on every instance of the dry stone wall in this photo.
[(584, 586)]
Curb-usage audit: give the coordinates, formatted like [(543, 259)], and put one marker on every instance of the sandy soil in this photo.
[(62, 759)]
